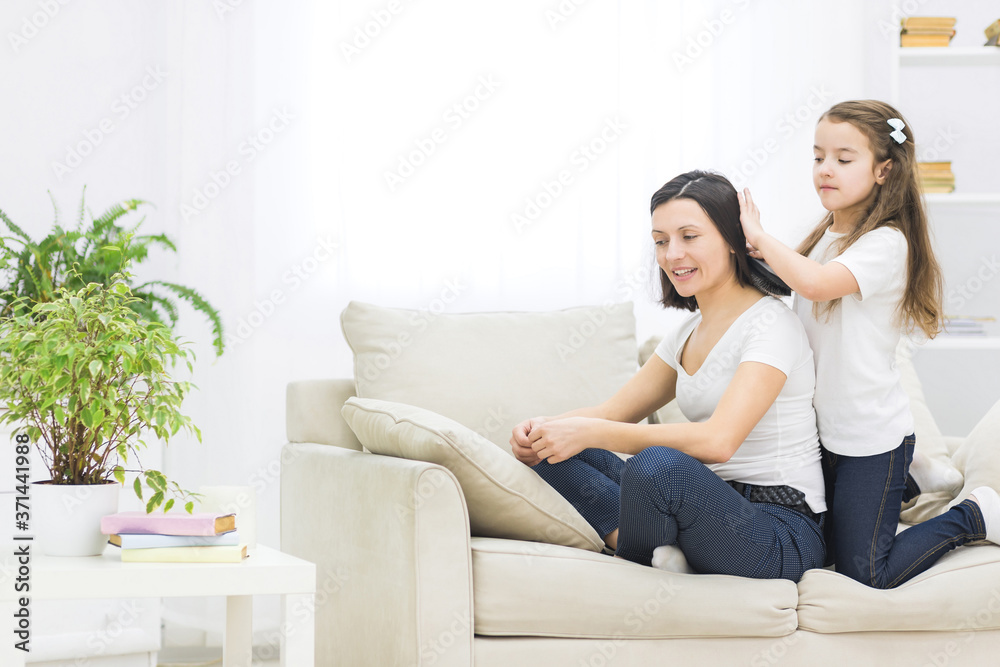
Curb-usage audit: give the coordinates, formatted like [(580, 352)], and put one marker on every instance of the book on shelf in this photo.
[(156, 540), (233, 553), (936, 177), (170, 523), (946, 23), (966, 326), (908, 40), (992, 33), (926, 31)]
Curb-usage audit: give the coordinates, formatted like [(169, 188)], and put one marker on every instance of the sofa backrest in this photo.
[(490, 371)]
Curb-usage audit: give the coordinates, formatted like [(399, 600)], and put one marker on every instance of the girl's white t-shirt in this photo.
[(861, 407), (783, 448)]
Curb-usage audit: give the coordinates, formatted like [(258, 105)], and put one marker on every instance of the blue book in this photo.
[(156, 541)]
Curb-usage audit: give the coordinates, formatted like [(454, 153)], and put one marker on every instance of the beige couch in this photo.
[(401, 581)]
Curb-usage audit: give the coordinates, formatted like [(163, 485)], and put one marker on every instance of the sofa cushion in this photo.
[(979, 457), (959, 592), (932, 465), (542, 590), (505, 497), (491, 371), (669, 413), (977, 464)]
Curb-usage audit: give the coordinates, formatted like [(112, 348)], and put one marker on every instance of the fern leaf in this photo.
[(158, 238), (152, 299), (116, 211), (79, 217), (14, 228), (55, 208), (200, 304)]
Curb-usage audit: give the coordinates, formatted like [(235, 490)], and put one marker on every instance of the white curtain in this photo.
[(487, 155)]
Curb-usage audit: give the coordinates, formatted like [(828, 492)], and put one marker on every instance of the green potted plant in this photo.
[(83, 377), (74, 258)]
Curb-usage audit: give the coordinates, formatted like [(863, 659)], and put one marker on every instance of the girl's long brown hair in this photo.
[(898, 203)]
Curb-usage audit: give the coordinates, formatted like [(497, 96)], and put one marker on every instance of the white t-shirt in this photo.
[(783, 448), (860, 404)]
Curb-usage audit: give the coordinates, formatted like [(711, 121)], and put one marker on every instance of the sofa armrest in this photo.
[(312, 412), (390, 540)]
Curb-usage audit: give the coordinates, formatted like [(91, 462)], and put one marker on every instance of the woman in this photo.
[(739, 489)]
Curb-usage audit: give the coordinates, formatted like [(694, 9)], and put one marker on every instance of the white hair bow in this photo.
[(897, 133)]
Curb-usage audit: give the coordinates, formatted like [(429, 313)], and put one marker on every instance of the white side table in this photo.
[(266, 572)]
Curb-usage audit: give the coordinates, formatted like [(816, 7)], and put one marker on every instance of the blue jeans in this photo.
[(662, 496), (863, 494)]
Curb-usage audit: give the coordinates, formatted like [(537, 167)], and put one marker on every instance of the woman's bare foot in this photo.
[(611, 539)]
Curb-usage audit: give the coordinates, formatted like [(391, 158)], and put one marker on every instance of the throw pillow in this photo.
[(505, 497), (932, 467), (978, 455)]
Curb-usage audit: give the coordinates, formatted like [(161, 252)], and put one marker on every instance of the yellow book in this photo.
[(224, 554), (993, 30), (906, 40), (928, 23)]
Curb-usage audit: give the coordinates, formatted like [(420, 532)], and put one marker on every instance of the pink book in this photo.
[(171, 523)]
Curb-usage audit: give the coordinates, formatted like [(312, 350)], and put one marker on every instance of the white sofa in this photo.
[(402, 581)]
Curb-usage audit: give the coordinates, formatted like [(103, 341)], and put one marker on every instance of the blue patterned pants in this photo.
[(663, 496)]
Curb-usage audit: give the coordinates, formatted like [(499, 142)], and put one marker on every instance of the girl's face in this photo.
[(689, 248), (844, 169)]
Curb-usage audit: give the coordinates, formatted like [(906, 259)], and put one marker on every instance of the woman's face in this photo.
[(690, 249)]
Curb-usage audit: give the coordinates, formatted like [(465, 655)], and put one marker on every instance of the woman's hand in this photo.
[(520, 441), (750, 219), (560, 439)]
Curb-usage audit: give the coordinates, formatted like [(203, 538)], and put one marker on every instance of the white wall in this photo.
[(334, 125)]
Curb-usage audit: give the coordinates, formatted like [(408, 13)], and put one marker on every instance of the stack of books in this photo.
[(174, 537), (993, 34), (927, 31), (936, 176), (966, 326)]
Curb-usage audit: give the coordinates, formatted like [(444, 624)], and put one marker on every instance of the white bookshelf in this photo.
[(957, 371), (938, 56), (949, 55), (963, 198), (945, 342), (940, 204)]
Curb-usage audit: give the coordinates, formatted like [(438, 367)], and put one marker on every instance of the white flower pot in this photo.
[(66, 518)]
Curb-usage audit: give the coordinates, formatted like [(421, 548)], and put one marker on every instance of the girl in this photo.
[(740, 489), (864, 275)]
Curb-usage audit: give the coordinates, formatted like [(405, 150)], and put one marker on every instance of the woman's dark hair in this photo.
[(717, 197)]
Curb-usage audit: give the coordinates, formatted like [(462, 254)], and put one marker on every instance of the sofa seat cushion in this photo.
[(543, 590), (961, 592)]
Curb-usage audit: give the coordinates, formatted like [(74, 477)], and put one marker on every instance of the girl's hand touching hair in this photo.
[(750, 219)]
